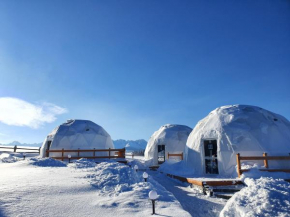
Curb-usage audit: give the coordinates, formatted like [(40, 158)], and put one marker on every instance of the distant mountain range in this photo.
[(23, 144), (132, 145)]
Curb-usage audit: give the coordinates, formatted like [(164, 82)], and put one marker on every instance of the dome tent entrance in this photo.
[(168, 139), (213, 144), (77, 134)]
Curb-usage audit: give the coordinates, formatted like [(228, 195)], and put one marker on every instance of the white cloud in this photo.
[(17, 112)]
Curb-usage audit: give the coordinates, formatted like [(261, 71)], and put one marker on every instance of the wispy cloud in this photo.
[(17, 112)]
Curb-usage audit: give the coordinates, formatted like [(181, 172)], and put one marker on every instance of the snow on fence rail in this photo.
[(15, 148), (118, 153), (264, 158), (175, 155)]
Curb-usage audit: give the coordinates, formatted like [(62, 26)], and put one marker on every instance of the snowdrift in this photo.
[(46, 162), (262, 197), (8, 158), (243, 129)]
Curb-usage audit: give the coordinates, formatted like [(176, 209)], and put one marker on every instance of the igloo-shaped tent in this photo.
[(77, 134), (213, 144), (170, 138)]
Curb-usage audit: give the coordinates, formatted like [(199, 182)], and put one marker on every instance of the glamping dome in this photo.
[(168, 139), (213, 144), (77, 134)]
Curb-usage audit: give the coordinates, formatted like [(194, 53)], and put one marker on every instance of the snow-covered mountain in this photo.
[(132, 145), (23, 144)]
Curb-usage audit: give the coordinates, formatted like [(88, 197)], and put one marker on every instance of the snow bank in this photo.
[(174, 167), (8, 158), (262, 197), (46, 162), (83, 163), (112, 178)]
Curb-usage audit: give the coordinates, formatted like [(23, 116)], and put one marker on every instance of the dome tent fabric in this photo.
[(172, 138), (77, 134), (214, 142)]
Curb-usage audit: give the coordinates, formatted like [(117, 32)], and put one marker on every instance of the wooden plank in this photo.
[(62, 153), (194, 181), (174, 155), (265, 161), (96, 157), (239, 165), (265, 158), (223, 183), (86, 150), (276, 170)]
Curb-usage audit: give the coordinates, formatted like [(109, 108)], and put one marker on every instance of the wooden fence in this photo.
[(175, 155), (117, 153), (15, 148), (264, 158)]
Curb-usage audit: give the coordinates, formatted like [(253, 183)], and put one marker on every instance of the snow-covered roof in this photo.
[(244, 129)]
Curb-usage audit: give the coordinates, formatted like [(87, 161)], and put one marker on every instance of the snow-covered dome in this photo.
[(214, 142), (169, 138), (77, 134)]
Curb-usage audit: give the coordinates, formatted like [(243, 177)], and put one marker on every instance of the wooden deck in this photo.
[(207, 181)]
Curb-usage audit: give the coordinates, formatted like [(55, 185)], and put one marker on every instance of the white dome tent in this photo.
[(213, 144), (168, 139), (77, 134)]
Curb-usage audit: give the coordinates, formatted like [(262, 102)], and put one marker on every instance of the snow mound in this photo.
[(262, 197), (46, 162), (112, 178), (7, 158), (177, 168), (84, 163)]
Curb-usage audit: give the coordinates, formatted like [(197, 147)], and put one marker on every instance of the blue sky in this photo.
[(132, 66)]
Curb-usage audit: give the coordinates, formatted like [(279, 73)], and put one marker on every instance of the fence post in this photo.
[(265, 160), (15, 148), (239, 165), (109, 153), (62, 153)]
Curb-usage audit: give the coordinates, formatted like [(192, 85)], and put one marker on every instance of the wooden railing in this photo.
[(175, 155), (264, 158), (117, 153), (15, 148)]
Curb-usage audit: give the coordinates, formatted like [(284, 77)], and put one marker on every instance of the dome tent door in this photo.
[(161, 154), (210, 157)]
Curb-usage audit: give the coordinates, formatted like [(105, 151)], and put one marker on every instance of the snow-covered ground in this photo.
[(46, 187), (51, 188)]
